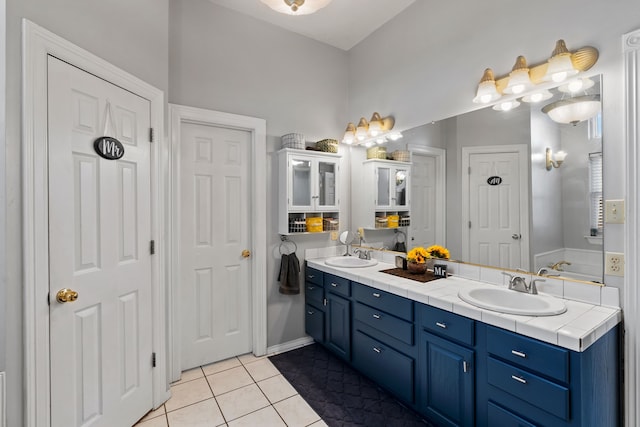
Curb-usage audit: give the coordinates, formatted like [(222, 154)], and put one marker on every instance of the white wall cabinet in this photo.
[(309, 188), (381, 189)]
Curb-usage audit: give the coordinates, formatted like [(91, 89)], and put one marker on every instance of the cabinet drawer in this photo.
[(529, 353), (498, 416), (386, 366), (546, 395), (447, 324), (314, 323), (392, 304), (311, 275), (337, 285), (384, 322), (314, 293)]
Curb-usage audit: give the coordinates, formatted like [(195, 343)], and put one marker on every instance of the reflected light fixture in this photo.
[(378, 130), (554, 160), (506, 105), (573, 110), (296, 7), (362, 129), (519, 80), (576, 85), (538, 96)]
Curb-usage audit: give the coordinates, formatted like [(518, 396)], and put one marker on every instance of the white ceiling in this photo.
[(342, 23)]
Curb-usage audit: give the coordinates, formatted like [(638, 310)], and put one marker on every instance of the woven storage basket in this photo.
[(377, 153), (293, 140), (400, 155), (327, 145)]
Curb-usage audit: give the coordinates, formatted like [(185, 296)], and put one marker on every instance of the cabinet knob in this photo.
[(377, 295), (376, 316), (335, 285)]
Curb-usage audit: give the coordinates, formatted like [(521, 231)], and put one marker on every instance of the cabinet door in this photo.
[(338, 325), (326, 197), (300, 182), (383, 187), (400, 184), (446, 381)]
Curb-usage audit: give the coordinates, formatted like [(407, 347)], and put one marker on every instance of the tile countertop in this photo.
[(576, 329)]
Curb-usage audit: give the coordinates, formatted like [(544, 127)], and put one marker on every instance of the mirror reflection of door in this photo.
[(496, 208), (423, 190)]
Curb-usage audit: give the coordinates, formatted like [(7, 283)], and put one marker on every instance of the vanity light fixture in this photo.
[(506, 105), (519, 80), (296, 7), (559, 66), (487, 90), (378, 130), (537, 96), (576, 85), (554, 160)]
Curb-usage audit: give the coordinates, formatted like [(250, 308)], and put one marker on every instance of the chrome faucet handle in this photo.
[(533, 289)]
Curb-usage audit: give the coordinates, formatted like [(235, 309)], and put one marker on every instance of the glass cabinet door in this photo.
[(384, 198), (327, 184), (401, 189), (300, 182)]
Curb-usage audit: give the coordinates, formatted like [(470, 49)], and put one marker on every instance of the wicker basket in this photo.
[(327, 145), (400, 155), (330, 224), (377, 153), (293, 140)]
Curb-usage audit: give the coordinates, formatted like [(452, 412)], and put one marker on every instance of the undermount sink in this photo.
[(513, 302), (350, 262)]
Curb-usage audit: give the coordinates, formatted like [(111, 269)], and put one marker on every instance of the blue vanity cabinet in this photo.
[(384, 340), (338, 315), (447, 372), (314, 304)]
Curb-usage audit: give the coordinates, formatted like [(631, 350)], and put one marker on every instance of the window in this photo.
[(595, 192)]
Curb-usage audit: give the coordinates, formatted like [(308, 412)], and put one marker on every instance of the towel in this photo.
[(289, 276)]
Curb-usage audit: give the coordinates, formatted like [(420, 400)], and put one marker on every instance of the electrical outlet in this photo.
[(614, 263), (334, 235), (614, 211)]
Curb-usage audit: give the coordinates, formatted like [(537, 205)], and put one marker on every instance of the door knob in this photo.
[(246, 253), (516, 236), (66, 295)]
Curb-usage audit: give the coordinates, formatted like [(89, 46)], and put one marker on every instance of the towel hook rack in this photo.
[(283, 244)]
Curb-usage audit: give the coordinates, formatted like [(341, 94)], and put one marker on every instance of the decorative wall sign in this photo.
[(494, 180), (440, 270), (108, 148)]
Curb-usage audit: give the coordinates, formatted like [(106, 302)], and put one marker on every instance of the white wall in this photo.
[(132, 35)]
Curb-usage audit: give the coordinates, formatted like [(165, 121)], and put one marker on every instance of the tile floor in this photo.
[(241, 391)]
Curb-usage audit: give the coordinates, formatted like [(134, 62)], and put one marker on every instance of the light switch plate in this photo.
[(334, 235), (614, 263), (614, 211)]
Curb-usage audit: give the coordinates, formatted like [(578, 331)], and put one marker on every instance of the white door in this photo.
[(215, 229), (496, 226), (100, 232), (423, 201)]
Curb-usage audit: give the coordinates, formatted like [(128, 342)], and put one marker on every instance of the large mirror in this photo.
[(511, 200)]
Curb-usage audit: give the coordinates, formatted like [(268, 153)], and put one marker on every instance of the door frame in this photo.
[(179, 114), (441, 187), (37, 44), (523, 166)]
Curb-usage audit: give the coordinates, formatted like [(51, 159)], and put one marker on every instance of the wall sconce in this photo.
[(522, 79), (377, 130), (554, 160)]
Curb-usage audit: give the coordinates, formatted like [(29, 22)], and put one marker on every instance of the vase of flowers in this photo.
[(436, 251), (417, 260)]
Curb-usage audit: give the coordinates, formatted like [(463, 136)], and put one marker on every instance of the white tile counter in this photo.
[(576, 329)]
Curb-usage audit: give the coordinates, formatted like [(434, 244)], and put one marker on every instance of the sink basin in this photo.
[(350, 262), (512, 302)]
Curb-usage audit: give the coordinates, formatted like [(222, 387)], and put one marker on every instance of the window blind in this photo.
[(595, 191)]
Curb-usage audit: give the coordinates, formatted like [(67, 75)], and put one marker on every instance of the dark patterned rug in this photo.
[(340, 394)]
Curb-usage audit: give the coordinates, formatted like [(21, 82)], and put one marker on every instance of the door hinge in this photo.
[(150, 134), (469, 224), (49, 298), (152, 247), (469, 170), (153, 360)]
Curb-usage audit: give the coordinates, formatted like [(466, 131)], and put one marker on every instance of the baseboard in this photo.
[(288, 346), (3, 400)]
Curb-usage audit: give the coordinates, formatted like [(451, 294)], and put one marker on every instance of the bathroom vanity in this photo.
[(460, 365)]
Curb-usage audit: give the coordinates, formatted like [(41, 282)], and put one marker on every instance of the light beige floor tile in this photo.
[(188, 393), (277, 388), (249, 358), (189, 375), (231, 379), (154, 422), (261, 369), (319, 424), (201, 414), (296, 412), (241, 402), (267, 417), (154, 414), (223, 365)]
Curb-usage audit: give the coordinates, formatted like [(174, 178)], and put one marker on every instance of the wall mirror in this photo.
[(512, 200)]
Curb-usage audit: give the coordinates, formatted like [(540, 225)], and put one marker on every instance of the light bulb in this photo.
[(559, 77), (536, 97)]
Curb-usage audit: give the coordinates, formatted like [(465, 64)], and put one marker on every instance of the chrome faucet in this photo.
[(518, 283), (362, 253), (558, 265), (544, 271)]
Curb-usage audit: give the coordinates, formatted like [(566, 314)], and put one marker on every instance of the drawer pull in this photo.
[(465, 366), (310, 276), (335, 285), (376, 316), (310, 312), (441, 325), (377, 350), (519, 354), (311, 287), (519, 379), (377, 295)]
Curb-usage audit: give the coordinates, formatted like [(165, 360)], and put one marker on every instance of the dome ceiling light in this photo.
[(296, 7), (573, 110)]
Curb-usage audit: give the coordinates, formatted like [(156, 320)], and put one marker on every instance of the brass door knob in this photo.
[(246, 253), (66, 295)]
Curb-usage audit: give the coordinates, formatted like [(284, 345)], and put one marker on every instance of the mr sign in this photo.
[(494, 180), (108, 148)]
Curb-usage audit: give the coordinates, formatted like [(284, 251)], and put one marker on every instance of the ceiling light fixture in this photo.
[(573, 110), (378, 130), (296, 7)]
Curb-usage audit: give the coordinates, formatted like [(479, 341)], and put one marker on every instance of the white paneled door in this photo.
[(215, 234), (100, 232), (423, 201)]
